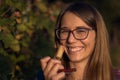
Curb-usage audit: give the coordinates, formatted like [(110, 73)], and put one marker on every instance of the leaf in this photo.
[(6, 38), (13, 58), (21, 27), (42, 7), (20, 58), (2, 52), (15, 45), (10, 42)]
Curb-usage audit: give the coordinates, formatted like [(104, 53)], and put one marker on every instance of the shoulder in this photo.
[(117, 74)]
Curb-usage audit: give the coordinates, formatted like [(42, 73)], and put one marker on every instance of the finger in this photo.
[(44, 61), (59, 76), (54, 70), (50, 64)]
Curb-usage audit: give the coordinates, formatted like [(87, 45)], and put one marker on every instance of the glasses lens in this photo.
[(62, 34), (80, 33)]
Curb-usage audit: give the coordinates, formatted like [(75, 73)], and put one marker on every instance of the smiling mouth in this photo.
[(74, 49)]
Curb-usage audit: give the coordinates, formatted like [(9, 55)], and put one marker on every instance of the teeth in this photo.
[(75, 49)]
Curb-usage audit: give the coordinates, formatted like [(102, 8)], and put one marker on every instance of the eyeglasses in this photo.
[(79, 34)]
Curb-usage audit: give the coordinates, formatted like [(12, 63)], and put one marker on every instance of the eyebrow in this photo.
[(64, 27), (78, 27)]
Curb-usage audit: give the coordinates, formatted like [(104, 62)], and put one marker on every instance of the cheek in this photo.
[(90, 43), (89, 47), (62, 42)]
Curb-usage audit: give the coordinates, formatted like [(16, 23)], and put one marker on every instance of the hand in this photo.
[(50, 69)]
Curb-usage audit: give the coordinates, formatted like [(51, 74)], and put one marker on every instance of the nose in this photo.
[(71, 38)]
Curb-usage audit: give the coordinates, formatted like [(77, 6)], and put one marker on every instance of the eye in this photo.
[(64, 31), (79, 31)]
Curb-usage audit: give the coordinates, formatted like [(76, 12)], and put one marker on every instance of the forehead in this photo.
[(71, 20)]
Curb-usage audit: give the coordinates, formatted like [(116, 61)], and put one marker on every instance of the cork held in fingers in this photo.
[(59, 52), (58, 56)]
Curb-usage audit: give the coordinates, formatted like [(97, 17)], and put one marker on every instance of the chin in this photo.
[(78, 60), (75, 60)]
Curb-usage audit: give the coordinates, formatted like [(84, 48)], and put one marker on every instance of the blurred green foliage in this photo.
[(27, 33)]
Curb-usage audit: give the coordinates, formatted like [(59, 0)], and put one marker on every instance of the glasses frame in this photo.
[(72, 31)]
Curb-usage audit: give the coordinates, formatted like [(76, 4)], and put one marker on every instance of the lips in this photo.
[(74, 49)]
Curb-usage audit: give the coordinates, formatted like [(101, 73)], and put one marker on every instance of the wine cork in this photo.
[(59, 52)]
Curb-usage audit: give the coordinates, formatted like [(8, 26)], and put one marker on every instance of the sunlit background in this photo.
[(27, 33)]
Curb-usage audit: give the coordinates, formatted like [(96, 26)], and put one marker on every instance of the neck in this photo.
[(80, 67)]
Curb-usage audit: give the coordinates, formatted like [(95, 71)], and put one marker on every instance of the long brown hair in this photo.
[(99, 66)]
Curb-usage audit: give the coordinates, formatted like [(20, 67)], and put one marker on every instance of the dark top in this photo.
[(40, 75), (117, 74)]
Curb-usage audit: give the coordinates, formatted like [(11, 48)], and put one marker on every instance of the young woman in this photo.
[(81, 30)]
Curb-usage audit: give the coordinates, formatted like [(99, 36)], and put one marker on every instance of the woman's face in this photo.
[(77, 50)]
